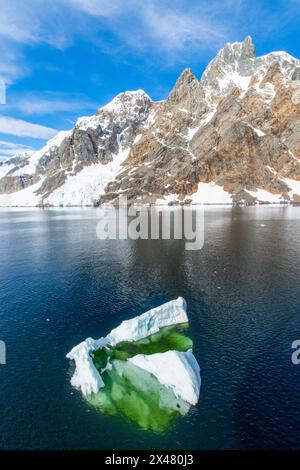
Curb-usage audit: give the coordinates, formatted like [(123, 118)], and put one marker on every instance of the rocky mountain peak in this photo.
[(126, 101), (248, 48), (121, 117), (234, 54), (239, 51), (227, 70), (185, 78), (187, 93), (232, 136), (129, 105)]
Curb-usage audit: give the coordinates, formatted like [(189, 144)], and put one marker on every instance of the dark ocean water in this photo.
[(59, 284)]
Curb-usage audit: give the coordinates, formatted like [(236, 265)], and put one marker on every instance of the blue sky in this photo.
[(61, 59)]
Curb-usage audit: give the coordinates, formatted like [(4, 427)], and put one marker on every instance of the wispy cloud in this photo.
[(47, 103), (177, 29), (20, 128), (26, 24), (10, 149), (107, 9), (163, 29), (169, 26), (21, 24)]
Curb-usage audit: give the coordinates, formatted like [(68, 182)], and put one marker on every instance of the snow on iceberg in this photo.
[(86, 377), (170, 313), (177, 370)]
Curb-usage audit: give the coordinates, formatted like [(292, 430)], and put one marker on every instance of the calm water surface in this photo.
[(59, 284)]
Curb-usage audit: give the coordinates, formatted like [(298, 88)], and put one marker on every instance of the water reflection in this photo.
[(243, 296), (138, 396)]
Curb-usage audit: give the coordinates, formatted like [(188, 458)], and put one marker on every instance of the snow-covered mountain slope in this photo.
[(74, 167), (230, 137)]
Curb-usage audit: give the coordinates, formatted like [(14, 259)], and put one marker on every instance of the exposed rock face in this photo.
[(232, 136), (94, 144), (237, 127), (11, 184)]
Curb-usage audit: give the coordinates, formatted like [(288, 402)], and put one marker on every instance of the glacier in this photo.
[(177, 370)]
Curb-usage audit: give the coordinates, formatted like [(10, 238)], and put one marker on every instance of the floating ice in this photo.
[(152, 343)]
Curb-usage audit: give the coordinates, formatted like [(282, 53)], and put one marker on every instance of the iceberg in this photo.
[(147, 357)]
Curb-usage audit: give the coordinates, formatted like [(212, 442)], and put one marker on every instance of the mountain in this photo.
[(230, 137)]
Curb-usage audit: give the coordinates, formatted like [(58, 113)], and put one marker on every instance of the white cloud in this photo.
[(104, 8), (179, 29), (49, 103), (160, 29), (23, 23), (12, 66), (176, 30), (10, 149), (41, 21), (20, 128), (168, 26)]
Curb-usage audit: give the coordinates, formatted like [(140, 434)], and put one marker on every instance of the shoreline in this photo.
[(165, 206)]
